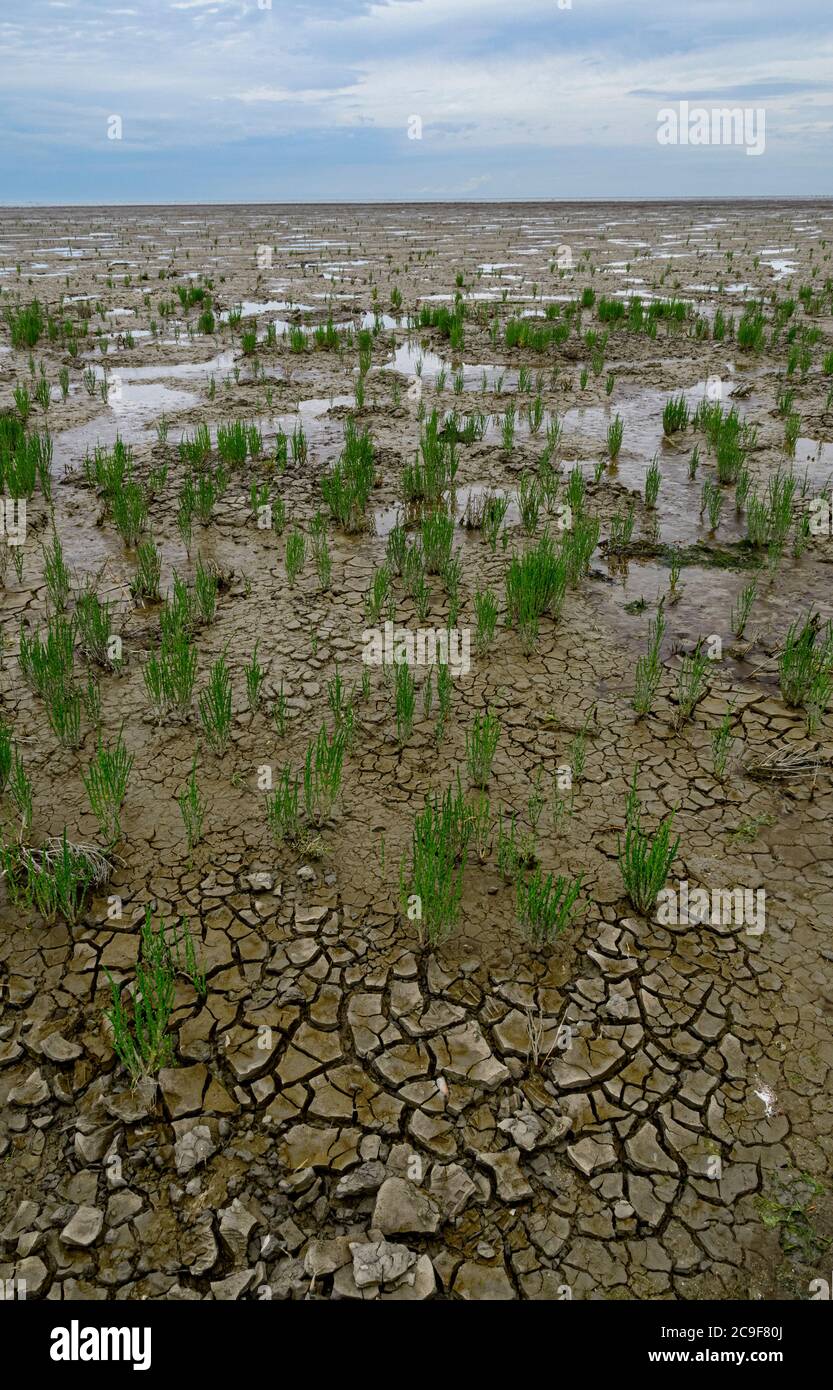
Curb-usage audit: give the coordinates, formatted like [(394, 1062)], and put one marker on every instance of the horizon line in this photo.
[(427, 202)]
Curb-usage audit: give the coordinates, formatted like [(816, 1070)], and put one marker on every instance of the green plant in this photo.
[(711, 500), (674, 586), (786, 1206), (432, 891), (722, 743), (145, 582), (346, 488), (578, 546), (205, 591), (94, 624), (26, 324), (806, 663), (282, 814), (170, 676), (322, 774), (6, 754), (294, 556), (63, 708), (405, 702), (615, 434), (106, 786), (140, 1032), (192, 808), (444, 688), (530, 497), (481, 745), (379, 593), (535, 584), (480, 826), (55, 878), (653, 479), (437, 534), (129, 507), (621, 529), (20, 791), (485, 610), (692, 683), (675, 414), (495, 507), (56, 574), (545, 906), (435, 466), (742, 608), (215, 706), (792, 429), (323, 560), (515, 850), (255, 676), (649, 667), (644, 860)]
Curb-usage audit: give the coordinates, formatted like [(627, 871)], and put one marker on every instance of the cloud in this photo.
[(530, 80)]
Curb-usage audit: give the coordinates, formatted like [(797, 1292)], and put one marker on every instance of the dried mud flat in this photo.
[(347, 1112)]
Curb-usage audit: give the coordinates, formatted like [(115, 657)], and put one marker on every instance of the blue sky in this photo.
[(310, 100)]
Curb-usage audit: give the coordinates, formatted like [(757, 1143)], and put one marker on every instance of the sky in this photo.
[(171, 101)]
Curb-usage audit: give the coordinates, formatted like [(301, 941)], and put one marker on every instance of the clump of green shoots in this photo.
[(106, 786), (535, 584), (432, 891), (145, 583), (282, 813), (675, 415), (444, 688), (322, 775), (255, 676), (645, 860), (692, 683), (653, 479), (192, 808), (437, 533), (346, 488), (435, 466), (481, 745), (545, 905), (485, 611), (140, 1030), (615, 434), (55, 878), (56, 574), (675, 588), (530, 498), (215, 706), (205, 591), (405, 702), (294, 555), (170, 675), (711, 501), (806, 667), (742, 607), (649, 667), (515, 848), (94, 622), (722, 744)]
